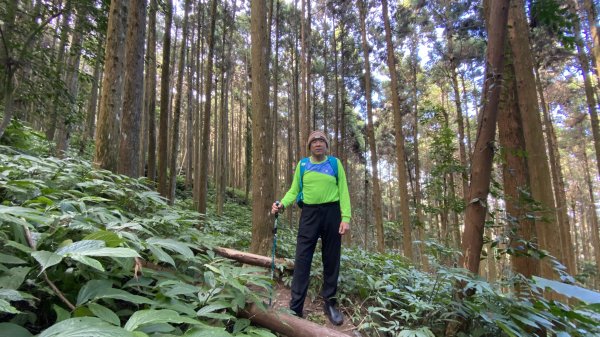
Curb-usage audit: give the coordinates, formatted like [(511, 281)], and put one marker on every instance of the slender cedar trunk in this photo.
[(461, 129), (537, 161), (92, 106), (371, 132), (592, 209), (64, 127), (189, 133), (275, 128), (198, 113), (248, 167), (262, 188), (576, 231), (400, 151), (482, 156), (467, 122), (289, 172), (557, 181), (587, 81), (60, 65), (325, 77), (336, 124), (163, 129), (417, 196), (297, 131), (304, 118), (203, 182), (177, 106), (150, 91), (111, 99), (515, 174), (129, 148), (219, 120)]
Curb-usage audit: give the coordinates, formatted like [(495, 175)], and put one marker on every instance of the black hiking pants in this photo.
[(316, 221)]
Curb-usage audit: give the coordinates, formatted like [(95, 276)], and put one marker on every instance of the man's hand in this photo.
[(276, 208), (344, 227)]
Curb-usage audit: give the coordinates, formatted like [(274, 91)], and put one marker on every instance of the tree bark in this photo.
[(592, 209), (163, 129), (262, 168), (481, 168), (111, 100), (377, 214), (150, 91), (203, 182), (537, 161), (129, 148), (400, 151)]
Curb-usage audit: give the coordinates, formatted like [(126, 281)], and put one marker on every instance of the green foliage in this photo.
[(88, 226)]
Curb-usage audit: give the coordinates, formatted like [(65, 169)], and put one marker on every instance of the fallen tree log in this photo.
[(252, 259), (288, 325)]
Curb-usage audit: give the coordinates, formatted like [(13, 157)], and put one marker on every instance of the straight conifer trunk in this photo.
[(150, 91), (484, 152), (371, 132), (129, 148), (163, 129), (111, 100), (262, 145), (400, 151)]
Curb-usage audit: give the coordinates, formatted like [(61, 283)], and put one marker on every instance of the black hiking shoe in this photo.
[(334, 315)]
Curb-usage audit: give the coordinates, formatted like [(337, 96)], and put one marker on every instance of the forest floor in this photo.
[(313, 311)]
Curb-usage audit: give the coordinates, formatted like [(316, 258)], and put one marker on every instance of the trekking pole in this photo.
[(273, 252)]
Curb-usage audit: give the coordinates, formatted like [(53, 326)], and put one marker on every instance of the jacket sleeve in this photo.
[(344, 194), (292, 193)]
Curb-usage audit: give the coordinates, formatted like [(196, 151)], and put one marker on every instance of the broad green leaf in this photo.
[(14, 295), (14, 277), (123, 295), (80, 247), (46, 259), (25, 213), (173, 245), (6, 307), (91, 289), (212, 308), (207, 331), (112, 252), (61, 314), (240, 325), (84, 327), (104, 313), (161, 255), (10, 259), (111, 239), (19, 246), (13, 330), (569, 290), (151, 316), (88, 261)]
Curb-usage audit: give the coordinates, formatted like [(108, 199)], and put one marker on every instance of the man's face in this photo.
[(318, 146)]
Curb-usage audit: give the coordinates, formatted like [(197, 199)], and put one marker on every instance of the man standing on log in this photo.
[(321, 190)]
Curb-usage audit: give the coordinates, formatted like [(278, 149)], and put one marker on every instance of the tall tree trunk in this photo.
[(262, 188), (203, 182), (189, 133), (150, 91), (304, 118), (177, 109), (336, 130), (468, 124), (92, 105), (557, 181), (371, 132), (481, 168), (129, 148), (275, 103), (64, 126), (537, 161), (400, 152), (515, 174), (592, 209), (163, 129), (587, 81), (592, 18), (111, 100), (9, 67)]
